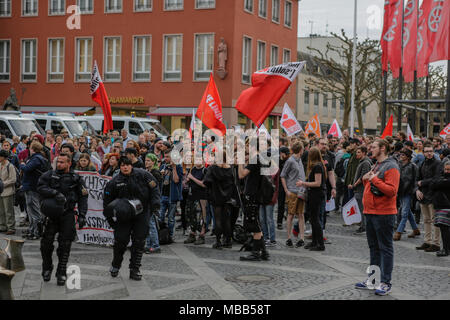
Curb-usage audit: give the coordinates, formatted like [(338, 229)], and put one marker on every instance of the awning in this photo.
[(172, 111), (68, 109)]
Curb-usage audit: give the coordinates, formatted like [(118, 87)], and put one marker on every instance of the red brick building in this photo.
[(155, 56)]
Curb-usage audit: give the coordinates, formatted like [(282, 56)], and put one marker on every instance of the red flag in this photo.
[(409, 133), (389, 128), (98, 94), (422, 40), (335, 130), (410, 40), (391, 39), (210, 109), (445, 131), (313, 125), (268, 86), (440, 17)]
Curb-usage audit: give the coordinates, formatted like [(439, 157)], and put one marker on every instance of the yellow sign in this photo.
[(126, 100)]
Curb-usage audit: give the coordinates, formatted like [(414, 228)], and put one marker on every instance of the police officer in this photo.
[(141, 188), (60, 191)]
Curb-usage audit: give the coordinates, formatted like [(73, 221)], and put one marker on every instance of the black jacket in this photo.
[(441, 192), (408, 174), (428, 172), (220, 184)]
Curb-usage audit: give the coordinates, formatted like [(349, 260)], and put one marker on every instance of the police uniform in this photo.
[(52, 184), (140, 185)]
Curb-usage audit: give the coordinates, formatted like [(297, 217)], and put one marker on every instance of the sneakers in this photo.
[(190, 239), (217, 245), (414, 233), (152, 250), (300, 243), (269, 243), (280, 226), (383, 289), (317, 248), (366, 285), (423, 246), (31, 237), (326, 241), (289, 243), (114, 272), (442, 253), (359, 231), (432, 248), (200, 240)]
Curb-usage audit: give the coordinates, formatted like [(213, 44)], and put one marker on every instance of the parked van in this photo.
[(75, 126), (13, 123), (134, 125)]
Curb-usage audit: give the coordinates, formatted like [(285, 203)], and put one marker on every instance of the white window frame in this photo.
[(196, 67), (273, 8), (33, 2), (248, 63), (86, 1), (134, 71), (6, 3), (173, 9), (22, 63), (284, 55), (60, 55), (5, 64), (149, 2), (265, 9), (105, 59), (116, 3), (77, 60), (213, 6), (271, 55), (246, 3), (62, 9), (261, 64), (164, 71), (286, 3)]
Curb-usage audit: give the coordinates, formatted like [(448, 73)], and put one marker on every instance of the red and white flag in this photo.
[(409, 133), (439, 25), (210, 109), (445, 131), (388, 130), (410, 40), (268, 86), (313, 125), (350, 212), (98, 94), (335, 131), (391, 37), (192, 126), (288, 121)]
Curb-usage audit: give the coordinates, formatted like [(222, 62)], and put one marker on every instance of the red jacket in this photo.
[(387, 182)]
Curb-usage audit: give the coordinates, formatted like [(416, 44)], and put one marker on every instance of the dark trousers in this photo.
[(445, 234), (234, 216), (348, 194), (223, 222), (314, 209), (281, 204), (183, 209), (379, 231)]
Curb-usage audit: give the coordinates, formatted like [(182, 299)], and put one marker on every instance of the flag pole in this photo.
[(352, 110), (400, 76)]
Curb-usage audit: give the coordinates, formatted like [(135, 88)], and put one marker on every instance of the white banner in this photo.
[(289, 122), (350, 212), (97, 230), (330, 205)]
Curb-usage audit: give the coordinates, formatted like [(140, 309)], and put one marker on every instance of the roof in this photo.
[(47, 109)]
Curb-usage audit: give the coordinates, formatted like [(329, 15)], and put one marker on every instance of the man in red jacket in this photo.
[(380, 207)]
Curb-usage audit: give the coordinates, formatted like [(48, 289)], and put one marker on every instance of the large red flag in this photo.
[(410, 40), (391, 38), (440, 17), (268, 86), (389, 128), (210, 109), (422, 39), (98, 94)]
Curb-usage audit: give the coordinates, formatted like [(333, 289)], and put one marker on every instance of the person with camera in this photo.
[(130, 198), (60, 191), (380, 207)]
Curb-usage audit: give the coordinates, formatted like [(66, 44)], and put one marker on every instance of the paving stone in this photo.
[(111, 295), (166, 265), (199, 293), (348, 293)]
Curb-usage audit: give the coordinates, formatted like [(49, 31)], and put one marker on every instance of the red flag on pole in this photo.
[(268, 86), (410, 40), (439, 22), (389, 128), (391, 38), (210, 109), (422, 39), (98, 94)]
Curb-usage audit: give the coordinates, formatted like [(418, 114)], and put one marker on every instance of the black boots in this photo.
[(135, 274), (137, 250), (264, 252), (47, 274), (255, 255), (63, 252)]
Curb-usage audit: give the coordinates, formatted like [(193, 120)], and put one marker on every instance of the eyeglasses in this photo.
[(429, 151)]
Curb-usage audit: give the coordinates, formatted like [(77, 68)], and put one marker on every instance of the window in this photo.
[(84, 60), (286, 55), (316, 102), (29, 7), (288, 14), (56, 60), (135, 128), (261, 56), (262, 8), (172, 57), (4, 129), (276, 11), (5, 60), (205, 4), (142, 5), (42, 123), (246, 60), (5, 8), (306, 102), (57, 7), (248, 5), (274, 56), (56, 126), (333, 107), (325, 105), (173, 4), (118, 125), (86, 6), (112, 6), (29, 60), (142, 58), (112, 59), (204, 56)]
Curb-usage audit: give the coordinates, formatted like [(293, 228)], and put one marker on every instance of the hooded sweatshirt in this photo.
[(387, 182)]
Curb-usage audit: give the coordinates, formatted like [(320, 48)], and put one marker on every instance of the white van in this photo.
[(13, 123), (75, 126), (134, 125)]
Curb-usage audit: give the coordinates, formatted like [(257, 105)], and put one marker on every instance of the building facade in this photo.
[(155, 56)]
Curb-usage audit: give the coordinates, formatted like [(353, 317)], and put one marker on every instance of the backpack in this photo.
[(18, 182), (45, 166), (340, 168), (163, 232), (267, 189)]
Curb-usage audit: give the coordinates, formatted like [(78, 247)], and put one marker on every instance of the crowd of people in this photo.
[(394, 181)]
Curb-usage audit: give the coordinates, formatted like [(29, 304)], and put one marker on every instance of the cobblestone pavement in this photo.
[(199, 272)]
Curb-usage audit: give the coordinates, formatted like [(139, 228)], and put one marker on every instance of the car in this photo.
[(13, 123)]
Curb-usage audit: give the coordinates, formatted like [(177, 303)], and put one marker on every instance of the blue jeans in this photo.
[(152, 240), (379, 231), (210, 216), (166, 205), (407, 214), (267, 223), (34, 212)]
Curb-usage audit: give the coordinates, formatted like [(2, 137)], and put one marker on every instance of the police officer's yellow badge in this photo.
[(152, 184)]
